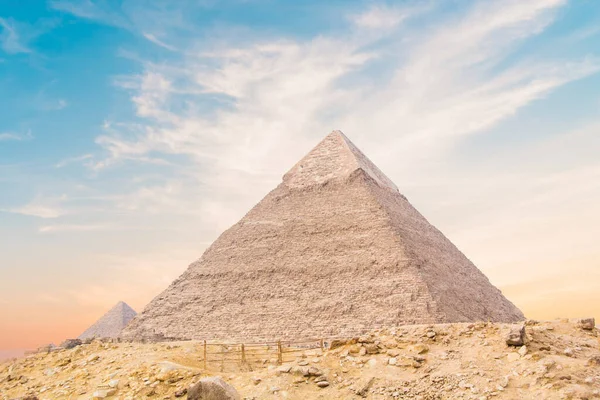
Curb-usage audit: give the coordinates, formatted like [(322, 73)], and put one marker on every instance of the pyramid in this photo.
[(110, 324), (333, 251)]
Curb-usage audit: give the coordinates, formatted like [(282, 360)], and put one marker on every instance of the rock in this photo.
[(372, 348), (181, 393), (104, 393), (523, 351), (511, 357), (587, 324), (213, 388), (569, 352), (63, 362), (594, 361), (92, 358), (420, 348), (392, 361), (363, 389), (322, 384), (300, 371), (393, 352), (354, 349), (516, 336), (285, 369), (430, 334), (256, 380), (71, 343), (113, 383), (365, 339), (337, 343), (419, 358), (313, 371)]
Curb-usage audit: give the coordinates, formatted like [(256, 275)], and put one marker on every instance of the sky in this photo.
[(132, 133)]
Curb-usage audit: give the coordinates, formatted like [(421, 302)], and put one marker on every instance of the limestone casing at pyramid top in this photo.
[(333, 158)]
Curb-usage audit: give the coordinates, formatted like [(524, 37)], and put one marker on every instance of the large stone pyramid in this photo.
[(334, 250), (110, 324)]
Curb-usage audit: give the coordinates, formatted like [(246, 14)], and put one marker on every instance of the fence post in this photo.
[(205, 354), (243, 354), (279, 352), (322, 345)]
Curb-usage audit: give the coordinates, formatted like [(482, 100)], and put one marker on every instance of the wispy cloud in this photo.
[(148, 20), (16, 36), (54, 105), (19, 137), (75, 228), (41, 207), (35, 210), (10, 38), (101, 11), (240, 114), (454, 80), (380, 16), (158, 42), (71, 160)]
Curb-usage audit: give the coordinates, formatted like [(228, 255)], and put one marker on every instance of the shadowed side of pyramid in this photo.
[(110, 324), (334, 250)]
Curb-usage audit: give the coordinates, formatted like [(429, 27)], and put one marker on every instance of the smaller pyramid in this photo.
[(112, 323)]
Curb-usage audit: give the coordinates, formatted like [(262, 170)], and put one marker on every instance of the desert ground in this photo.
[(559, 360)]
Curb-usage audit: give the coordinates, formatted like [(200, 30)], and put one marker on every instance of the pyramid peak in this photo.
[(337, 133), (333, 158)]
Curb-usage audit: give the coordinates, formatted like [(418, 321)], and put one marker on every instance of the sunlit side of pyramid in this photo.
[(334, 250), (110, 324)]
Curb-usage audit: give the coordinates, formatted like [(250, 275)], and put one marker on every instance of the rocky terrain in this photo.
[(557, 360)]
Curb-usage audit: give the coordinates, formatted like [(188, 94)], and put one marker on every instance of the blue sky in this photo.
[(133, 132)]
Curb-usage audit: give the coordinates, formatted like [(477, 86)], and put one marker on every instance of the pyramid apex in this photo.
[(337, 132), (334, 157), (121, 304)]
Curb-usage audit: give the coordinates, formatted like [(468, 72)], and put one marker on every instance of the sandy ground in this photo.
[(455, 361)]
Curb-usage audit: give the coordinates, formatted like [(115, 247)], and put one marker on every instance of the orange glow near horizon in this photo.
[(40, 327)]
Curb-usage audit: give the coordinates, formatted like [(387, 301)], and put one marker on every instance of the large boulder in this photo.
[(516, 336), (587, 324), (213, 388)]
